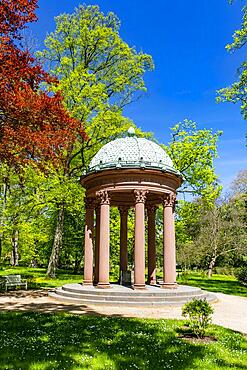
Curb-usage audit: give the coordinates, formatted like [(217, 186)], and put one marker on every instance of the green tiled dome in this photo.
[(131, 152)]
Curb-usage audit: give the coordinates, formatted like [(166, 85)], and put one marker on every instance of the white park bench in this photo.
[(13, 281)]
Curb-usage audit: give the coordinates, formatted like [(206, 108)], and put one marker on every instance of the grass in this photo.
[(39, 341), (217, 283), (37, 279)]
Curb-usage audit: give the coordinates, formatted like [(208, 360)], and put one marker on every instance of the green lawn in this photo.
[(218, 283), (37, 279), (37, 341), (64, 341)]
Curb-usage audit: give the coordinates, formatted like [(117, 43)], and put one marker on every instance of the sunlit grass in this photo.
[(37, 277), (63, 341), (218, 283)]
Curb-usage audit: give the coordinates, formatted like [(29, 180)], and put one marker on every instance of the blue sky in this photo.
[(187, 42)]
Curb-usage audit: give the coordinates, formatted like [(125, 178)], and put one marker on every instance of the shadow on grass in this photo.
[(62, 341), (217, 285)]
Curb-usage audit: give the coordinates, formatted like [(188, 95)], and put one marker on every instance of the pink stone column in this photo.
[(123, 238), (139, 273), (169, 279), (88, 247), (151, 210), (96, 254), (104, 240)]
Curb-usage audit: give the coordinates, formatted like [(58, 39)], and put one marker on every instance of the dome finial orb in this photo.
[(131, 131)]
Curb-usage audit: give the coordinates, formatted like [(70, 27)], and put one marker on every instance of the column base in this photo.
[(87, 282), (168, 285), (139, 286), (103, 286)]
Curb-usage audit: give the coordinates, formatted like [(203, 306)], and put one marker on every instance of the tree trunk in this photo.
[(77, 263), (211, 266), (15, 255), (2, 216), (57, 244), (1, 245), (215, 240)]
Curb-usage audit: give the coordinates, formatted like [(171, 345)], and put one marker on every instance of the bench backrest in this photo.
[(13, 278)]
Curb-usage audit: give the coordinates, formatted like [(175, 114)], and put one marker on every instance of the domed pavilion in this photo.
[(130, 172)]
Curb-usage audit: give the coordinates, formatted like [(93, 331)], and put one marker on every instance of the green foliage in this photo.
[(193, 152), (37, 276), (187, 229), (213, 234), (199, 313), (30, 205), (239, 36), (242, 275), (237, 92), (114, 243), (99, 73)]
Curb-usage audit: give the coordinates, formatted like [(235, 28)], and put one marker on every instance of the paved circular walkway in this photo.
[(230, 311)]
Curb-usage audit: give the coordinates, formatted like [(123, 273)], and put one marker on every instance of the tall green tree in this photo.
[(193, 151), (237, 92), (99, 74), (21, 212), (215, 233)]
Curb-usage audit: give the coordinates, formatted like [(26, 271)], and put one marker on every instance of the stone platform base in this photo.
[(117, 295)]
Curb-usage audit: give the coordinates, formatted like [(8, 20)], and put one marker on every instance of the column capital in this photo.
[(140, 196), (169, 200), (89, 202), (104, 197), (123, 210)]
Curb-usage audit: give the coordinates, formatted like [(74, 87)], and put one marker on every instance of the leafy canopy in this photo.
[(192, 151), (33, 122), (237, 92), (99, 73)]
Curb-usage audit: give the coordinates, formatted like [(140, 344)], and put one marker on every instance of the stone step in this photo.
[(76, 288), (125, 298), (129, 303)]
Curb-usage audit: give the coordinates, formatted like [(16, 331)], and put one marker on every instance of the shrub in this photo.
[(227, 270), (184, 277), (199, 312), (242, 275)]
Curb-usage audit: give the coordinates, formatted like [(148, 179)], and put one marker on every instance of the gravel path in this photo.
[(230, 311)]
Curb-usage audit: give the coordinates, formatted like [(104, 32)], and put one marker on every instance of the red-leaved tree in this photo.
[(34, 124)]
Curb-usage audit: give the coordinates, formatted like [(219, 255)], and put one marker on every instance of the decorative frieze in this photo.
[(116, 179)]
